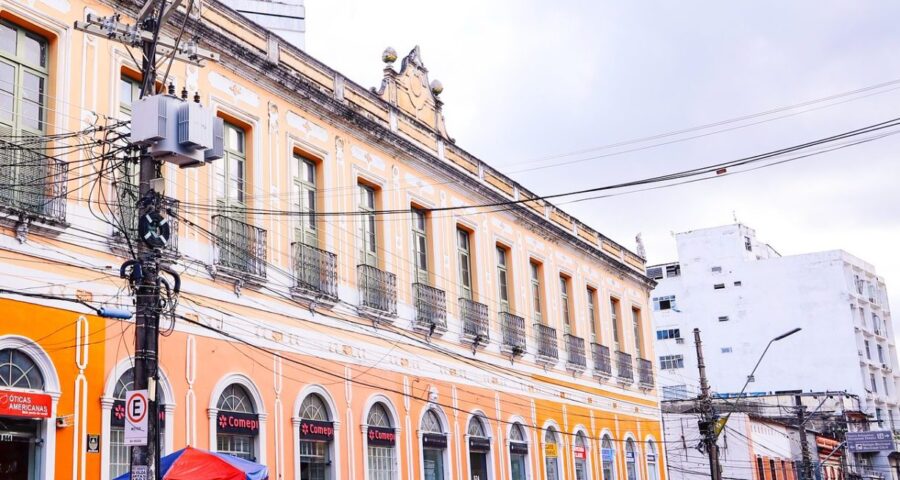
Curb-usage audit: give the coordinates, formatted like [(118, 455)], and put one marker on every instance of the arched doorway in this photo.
[(608, 454), (381, 443), (119, 455), (316, 438), (580, 456), (652, 462), (630, 460), (518, 452), (479, 448), (28, 389), (551, 453), (434, 446), (237, 423)]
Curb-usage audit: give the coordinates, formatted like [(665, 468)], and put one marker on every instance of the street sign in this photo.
[(136, 407), (873, 441)]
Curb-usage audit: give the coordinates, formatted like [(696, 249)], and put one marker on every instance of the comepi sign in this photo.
[(136, 407)]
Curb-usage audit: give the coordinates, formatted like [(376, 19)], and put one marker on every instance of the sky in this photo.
[(526, 80)]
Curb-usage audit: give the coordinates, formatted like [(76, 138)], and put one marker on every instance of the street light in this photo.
[(784, 335)]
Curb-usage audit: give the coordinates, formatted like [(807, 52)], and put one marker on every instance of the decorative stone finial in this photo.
[(437, 87), (389, 55)]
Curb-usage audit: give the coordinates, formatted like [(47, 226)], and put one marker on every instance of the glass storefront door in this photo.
[(434, 464), (17, 448)]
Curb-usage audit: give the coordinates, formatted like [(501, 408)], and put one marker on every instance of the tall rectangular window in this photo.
[(614, 316), (671, 362), (880, 353), (638, 333), (23, 81), (592, 313), (419, 246), (503, 277), (464, 253), (868, 351), (564, 303), (368, 239), (305, 194), (230, 173), (129, 92), (536, 292), (759, 469), (872, 382)]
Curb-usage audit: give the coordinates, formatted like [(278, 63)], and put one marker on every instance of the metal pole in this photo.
[(805, 463), (708, 424), (145, 459)]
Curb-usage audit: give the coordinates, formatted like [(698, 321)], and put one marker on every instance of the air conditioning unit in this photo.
[(679, 340)]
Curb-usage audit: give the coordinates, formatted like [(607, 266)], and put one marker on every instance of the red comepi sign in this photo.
[(22, 404)]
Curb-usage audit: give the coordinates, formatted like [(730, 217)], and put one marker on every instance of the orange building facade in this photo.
[(344, 313)]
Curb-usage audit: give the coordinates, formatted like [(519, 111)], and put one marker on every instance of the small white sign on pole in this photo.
[(136, 408)]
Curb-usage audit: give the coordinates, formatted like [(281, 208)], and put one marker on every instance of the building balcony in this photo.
[(315, 272), (377, 293), (475, 324), (624, 368), (240, 249), (602, 360), (32, 184), (127, 199), (645, 373), (431, 309), (548, 348), (575, 357), (513, 330)]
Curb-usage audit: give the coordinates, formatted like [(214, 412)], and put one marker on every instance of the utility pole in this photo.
[(805, 463), (145, 267), (709, 416)]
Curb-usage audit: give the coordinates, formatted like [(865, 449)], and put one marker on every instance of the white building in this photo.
[(741, 293)]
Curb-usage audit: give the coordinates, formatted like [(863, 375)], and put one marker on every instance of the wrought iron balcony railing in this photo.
[(575, 359), (431, 308), (474, 318), (602, 360), (240, 247), (548, 347), (513, 333), (315, 271), (32, 183), (645, 372), (127, 198), (624, 367), (377, 291)]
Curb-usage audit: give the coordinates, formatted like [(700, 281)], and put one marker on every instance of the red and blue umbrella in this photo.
[(193, 464)]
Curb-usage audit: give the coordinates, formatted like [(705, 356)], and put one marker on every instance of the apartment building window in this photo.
[(719, 286), (668, 333), (655, 273), (305, 195), (368, 249), (878, 417), (726, 350), (868, 351), (723, 318), (419, 246), (614, 316), (747, 244), (564, 303), (673, 270), (880, 353), (638, 332), (464, 253), (738, 283), (671, 362), (592, 312), (23, 80), (664, 303), (503, 277), (872, 382), (876, 324), (773, 470), (716, 269), (536, 291), (884, 383)]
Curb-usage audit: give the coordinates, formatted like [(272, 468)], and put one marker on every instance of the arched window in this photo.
[(580, 453), (518, 452), (479, 448), (382, 439), (608, 454), (551, 453), (18, 370), (316, 438), (119, 457), (630, 460), (237, 423), (652, 470), (434, 445)]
